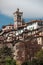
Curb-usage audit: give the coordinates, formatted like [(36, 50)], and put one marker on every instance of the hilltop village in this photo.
[(25, 39)]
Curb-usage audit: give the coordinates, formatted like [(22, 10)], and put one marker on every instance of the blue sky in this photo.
[(32, 9), (5, 20)]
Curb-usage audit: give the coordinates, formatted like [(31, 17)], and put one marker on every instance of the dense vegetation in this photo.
[(37, 60), (6, 58)]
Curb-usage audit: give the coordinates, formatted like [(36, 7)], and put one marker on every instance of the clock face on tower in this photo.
[(19, 23)]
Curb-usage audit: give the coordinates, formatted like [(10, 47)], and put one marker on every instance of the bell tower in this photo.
[(17, 19)]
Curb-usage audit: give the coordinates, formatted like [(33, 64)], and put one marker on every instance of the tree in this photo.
[(34, 61), (39, 57), (26, 63), (10, 61), (5, 55), (39, 54)]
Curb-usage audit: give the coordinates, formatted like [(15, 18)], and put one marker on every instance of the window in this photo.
[(40, 23), (31, 28)]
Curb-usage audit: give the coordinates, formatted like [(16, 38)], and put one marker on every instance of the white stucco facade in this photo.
[(32, 26)]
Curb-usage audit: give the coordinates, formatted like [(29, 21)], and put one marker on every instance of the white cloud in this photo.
[(31, 8)]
